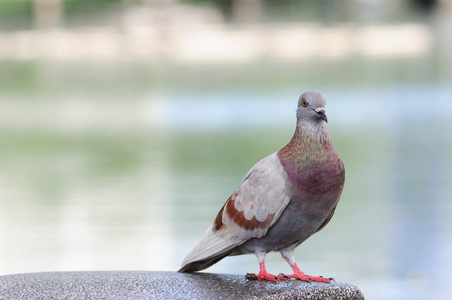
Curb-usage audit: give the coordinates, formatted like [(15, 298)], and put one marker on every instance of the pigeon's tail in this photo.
[(203, 264), (209, 250)]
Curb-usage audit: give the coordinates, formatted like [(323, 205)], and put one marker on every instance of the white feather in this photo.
[(210, 245)]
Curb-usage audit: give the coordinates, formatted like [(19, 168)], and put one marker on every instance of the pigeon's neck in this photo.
[(309, 146)]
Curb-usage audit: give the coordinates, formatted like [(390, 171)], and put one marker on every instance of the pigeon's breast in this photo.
[(320, 182), (319, 178)]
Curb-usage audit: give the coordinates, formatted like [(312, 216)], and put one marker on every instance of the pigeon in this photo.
[(283, 199)]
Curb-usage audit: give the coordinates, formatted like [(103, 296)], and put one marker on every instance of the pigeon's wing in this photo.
[(258, 202), (327, 220), (253, 208)]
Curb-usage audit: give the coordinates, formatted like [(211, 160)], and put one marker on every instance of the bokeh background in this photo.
[(126, 124)]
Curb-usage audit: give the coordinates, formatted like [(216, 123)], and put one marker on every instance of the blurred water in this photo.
[(134, 185), (124, 131)]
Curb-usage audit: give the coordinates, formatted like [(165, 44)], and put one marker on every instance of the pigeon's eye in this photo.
[(304, 103)]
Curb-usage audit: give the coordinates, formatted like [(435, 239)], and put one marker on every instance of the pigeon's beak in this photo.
[(321, 113)]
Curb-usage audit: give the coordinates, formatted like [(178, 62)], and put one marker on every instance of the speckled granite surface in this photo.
[(163, 285)]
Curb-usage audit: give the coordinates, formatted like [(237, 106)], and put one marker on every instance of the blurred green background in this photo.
[(125, 125)]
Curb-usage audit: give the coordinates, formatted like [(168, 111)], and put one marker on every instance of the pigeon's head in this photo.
[(311, 107)]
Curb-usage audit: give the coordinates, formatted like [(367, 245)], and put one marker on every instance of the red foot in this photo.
[(302, 276), (266, 276)]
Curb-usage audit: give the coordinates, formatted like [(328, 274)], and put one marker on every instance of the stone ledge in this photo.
[(137, 285)]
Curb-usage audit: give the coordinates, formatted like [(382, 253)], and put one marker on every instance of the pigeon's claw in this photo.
[(302, 276), (282, 276)]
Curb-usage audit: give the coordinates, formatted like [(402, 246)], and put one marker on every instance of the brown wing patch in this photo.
[(238, 217), (218, 223)]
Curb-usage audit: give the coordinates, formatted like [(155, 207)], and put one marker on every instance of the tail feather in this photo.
[(203, 264), (209, 250)]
